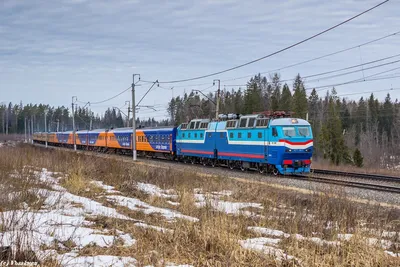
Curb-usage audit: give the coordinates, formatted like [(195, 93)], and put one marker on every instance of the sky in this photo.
[(53, 50)]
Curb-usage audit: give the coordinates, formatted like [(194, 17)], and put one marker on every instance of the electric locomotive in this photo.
[(268, 144)]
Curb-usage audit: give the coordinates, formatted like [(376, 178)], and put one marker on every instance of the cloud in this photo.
[(91, 48)]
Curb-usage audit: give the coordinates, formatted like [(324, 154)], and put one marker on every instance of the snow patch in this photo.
[(138, 205), (265, 245), (227, 207), (268, 231), (156, 191), (72, 259), (108, 188)]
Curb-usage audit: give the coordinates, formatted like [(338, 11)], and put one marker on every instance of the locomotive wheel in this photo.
[(231, 165), (261, 169), (193, 161), (204, 162), (242, 168), (275, 171)]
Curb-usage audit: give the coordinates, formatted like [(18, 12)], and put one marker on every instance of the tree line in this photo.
[(14, 119), (359, 132)]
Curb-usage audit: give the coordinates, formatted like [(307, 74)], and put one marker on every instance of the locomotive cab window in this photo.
[(197, 125), (184, 126), (274, 132), (192, 124), (289, 131), (303, 131)]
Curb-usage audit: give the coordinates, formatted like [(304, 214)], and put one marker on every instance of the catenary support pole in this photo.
[(45, 125), (134, 118), (73, 123), (218, 96), (25, 130)]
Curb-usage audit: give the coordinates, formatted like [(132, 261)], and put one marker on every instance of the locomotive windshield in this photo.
[(296, 131), (303, 131), (289, 131)]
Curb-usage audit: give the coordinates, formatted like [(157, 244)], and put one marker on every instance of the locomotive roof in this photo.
[(288, 121)]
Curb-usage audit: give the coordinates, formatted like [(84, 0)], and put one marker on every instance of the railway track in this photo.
[(377, 177), (325, 180), (375, 187)]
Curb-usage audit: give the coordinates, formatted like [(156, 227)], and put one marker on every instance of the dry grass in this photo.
[(213, 240)]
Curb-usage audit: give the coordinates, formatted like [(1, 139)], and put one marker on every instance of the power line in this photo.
[(105, 100), (350, 72), (338, 75), (357, 80), (146, 93), (320, 57), (281, 50), (299, 63)]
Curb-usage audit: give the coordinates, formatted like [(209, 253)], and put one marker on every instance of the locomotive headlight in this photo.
[(308, 150), (288, 150)]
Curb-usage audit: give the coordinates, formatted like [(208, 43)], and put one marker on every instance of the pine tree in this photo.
[(357, 158), (285, 103), (276, 92), (300, 105)]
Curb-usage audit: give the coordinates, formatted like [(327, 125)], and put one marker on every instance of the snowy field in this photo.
[(140, 223)]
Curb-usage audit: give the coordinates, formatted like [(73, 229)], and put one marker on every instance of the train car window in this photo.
[(248, 135), (274, 132), (197, 125), (230, 124), (303, 131), (239, 135), (262, 123), (230, 135), (195, 135), (183, 135), (251, 122), (289, 131), (221, 135), (243, 123), (189, 135), (259, 134), (201, 135)]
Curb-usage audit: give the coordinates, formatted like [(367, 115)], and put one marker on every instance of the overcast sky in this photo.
[(53, 50)]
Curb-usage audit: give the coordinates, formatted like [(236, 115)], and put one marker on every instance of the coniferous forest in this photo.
[(357, 131)]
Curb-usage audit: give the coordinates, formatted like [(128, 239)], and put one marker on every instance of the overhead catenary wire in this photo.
[(317, 58), (105, 100), (279, 51), (357, 80), (146, 93), (296, 64), (337, 70)]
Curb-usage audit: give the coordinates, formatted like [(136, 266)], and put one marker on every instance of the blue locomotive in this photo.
[(274, 145), (271, 144)]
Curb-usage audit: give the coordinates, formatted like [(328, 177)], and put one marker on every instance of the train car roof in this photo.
[(289, 121), (166, 129)]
